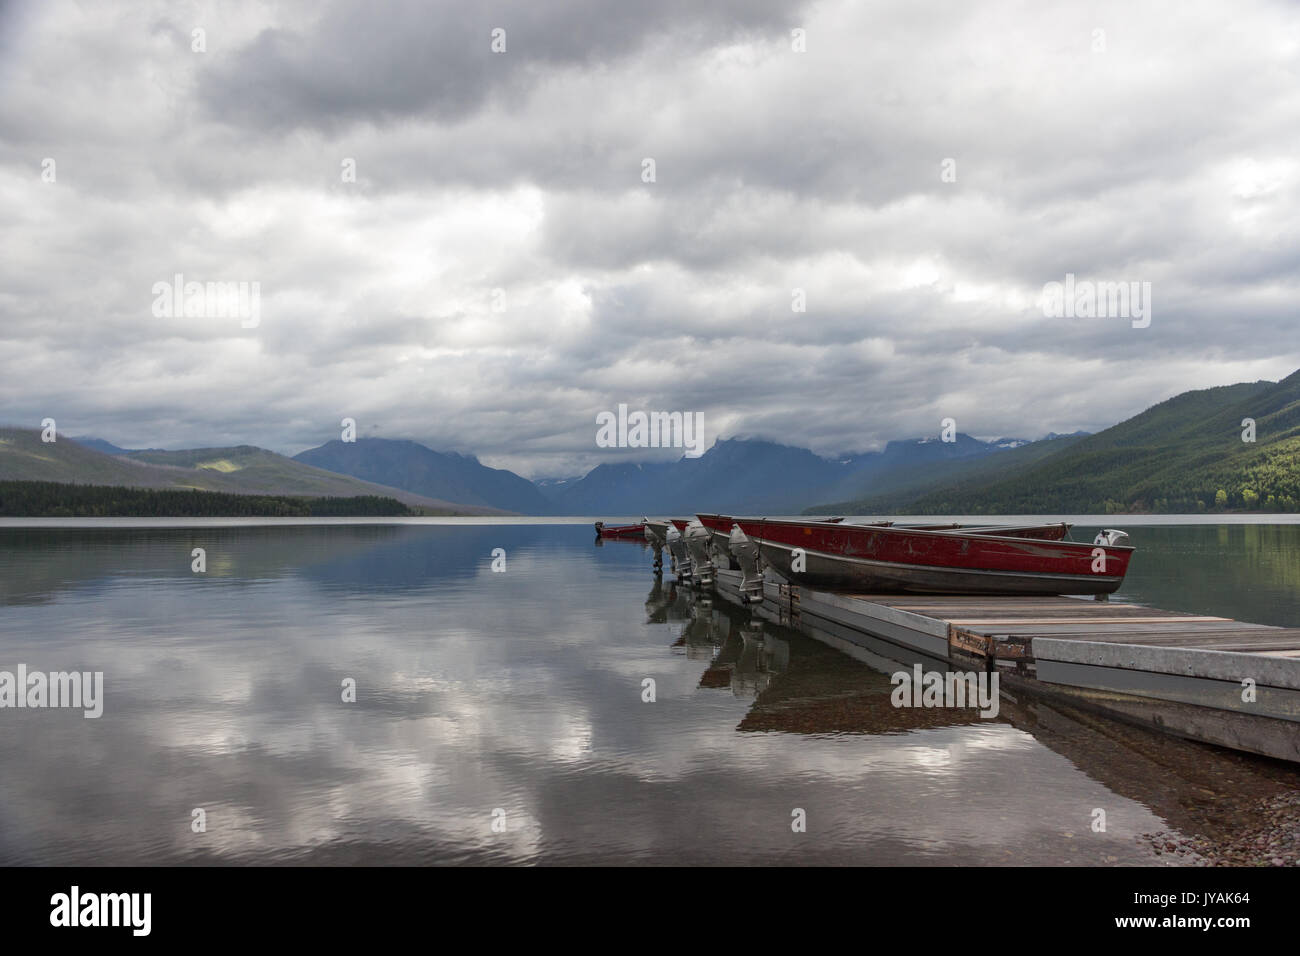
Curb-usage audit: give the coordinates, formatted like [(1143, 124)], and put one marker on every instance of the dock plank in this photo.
[(1130, 627), (1031, 622), (1155, 640)]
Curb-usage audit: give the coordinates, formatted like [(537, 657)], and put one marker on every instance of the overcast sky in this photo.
[(1123, 142)]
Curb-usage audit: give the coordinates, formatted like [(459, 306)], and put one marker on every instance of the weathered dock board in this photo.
[(1208, 678)]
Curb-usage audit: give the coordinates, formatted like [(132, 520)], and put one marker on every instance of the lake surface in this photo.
[(499, 716)]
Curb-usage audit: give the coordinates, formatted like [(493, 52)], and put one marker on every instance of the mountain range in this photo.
[(442, 475), (1186, 454), (756, 477), (1235, 446), (240, 470)]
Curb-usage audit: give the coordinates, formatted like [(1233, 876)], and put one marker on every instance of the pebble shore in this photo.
[(1272, 840)]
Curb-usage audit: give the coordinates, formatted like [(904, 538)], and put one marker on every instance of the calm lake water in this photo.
[(498, 716)]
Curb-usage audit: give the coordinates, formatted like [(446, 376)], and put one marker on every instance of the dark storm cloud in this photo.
[(364, 62)]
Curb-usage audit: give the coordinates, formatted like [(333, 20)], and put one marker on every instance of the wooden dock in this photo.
[(1207, 678)]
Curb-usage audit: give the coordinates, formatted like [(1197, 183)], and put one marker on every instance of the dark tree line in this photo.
[(49, 499)]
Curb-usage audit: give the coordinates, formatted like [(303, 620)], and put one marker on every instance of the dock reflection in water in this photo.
[(837, 681)]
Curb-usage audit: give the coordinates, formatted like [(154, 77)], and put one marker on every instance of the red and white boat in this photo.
[(934, 559)]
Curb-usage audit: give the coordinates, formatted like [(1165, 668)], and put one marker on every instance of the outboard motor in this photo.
[(697, 544), (677, 551), (1110, 536), (719, 551), (654, 534), (746, 554)]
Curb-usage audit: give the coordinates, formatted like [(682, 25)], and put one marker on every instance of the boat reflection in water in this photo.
[(670, 603), (741, 655), (801, 683)]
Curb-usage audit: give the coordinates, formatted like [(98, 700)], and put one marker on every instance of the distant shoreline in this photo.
[(50, 499), (72, 524), (160, 521)]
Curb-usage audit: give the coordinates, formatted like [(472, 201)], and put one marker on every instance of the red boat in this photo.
[(620, 530), (935, 559), (720, 526)]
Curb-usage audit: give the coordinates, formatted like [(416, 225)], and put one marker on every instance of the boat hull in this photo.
[(878, 559), (888, 577)]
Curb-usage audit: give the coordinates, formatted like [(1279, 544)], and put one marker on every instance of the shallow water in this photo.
[(499, 716)]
